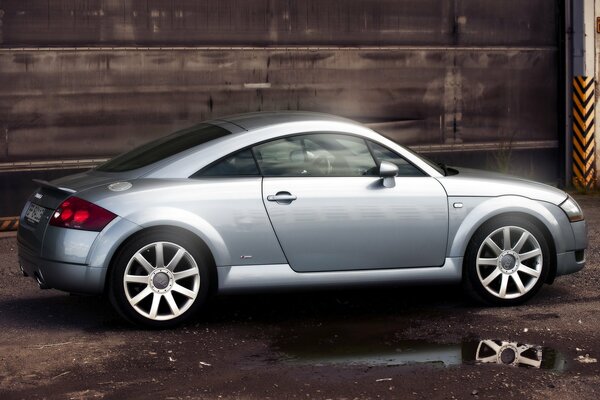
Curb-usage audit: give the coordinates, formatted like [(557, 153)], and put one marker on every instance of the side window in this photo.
[(384, 154), (318, 154), (238, 164)]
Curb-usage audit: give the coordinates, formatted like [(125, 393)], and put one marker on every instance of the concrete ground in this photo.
[(408, 343)]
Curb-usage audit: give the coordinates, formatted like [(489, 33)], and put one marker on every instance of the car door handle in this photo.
[(282, 197)]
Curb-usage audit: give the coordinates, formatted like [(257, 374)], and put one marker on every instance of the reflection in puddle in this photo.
[(379, 346)]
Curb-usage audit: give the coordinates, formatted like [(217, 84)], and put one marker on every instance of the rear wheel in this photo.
[(506, 262), (159, 279)]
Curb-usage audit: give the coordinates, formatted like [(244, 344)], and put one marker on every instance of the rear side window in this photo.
[(238, 164), (164, 147), (384, 154)]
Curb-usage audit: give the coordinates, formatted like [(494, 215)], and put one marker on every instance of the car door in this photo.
[(331, 212)]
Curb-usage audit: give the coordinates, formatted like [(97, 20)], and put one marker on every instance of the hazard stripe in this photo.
[(9, 224), (584, 151)]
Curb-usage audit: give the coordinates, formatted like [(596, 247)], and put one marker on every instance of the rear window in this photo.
[(164, 147)]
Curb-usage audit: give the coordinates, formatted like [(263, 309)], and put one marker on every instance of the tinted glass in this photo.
[(164, 147), (239, 164), (321, 154), (405, 168)]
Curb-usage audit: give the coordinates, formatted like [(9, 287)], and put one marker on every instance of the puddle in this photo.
[(379, 346)]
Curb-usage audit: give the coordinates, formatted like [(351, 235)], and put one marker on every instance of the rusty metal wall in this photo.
[(91, 78)]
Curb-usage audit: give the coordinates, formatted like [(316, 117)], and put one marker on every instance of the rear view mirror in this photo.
[(388, 171)]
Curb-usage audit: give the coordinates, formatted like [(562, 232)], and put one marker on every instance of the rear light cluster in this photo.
[(76, 213)]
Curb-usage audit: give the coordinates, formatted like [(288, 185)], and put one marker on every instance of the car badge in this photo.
[(119, 186)]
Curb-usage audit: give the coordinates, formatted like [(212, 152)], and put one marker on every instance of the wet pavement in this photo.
[(380, 344), (409, 343)]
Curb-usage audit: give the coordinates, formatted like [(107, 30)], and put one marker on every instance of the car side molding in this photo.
[(243, 278)]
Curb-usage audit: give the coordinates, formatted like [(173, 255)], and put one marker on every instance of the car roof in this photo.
[(255, 120)]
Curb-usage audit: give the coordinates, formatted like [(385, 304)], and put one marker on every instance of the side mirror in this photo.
[(388, 171)]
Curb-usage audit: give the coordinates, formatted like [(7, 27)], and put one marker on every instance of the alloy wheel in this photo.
[(161, 281), (509, 262)]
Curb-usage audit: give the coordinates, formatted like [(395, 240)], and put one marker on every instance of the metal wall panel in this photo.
[(65, 103), (278, 22)]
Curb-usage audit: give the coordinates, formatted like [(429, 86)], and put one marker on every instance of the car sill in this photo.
[(241, 278)]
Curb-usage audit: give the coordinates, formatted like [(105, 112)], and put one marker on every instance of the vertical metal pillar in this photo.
[(582, 133)]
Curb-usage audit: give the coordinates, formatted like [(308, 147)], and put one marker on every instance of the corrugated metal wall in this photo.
[(426, 72)]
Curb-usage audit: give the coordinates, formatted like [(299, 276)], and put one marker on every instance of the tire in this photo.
[(157, 294), (506, 275)]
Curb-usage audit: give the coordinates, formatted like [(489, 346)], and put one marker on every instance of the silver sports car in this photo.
[(290, 200)]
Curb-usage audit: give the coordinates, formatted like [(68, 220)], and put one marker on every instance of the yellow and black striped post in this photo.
[(584, 157), (9, 224)]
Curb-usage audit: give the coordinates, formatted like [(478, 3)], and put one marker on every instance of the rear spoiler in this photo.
[(47, 184)]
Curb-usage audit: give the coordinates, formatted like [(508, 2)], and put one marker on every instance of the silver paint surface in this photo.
[(338, 231), (356, 223)]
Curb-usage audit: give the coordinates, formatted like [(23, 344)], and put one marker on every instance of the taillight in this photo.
[(77, 213)]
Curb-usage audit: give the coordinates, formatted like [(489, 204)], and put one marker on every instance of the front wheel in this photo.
[(159, 280), (506, 262)]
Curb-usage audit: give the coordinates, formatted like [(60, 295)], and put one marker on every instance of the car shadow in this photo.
[(56, 310), (339, 303)]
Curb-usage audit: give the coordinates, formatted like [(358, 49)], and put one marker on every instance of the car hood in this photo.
[(472, 182)]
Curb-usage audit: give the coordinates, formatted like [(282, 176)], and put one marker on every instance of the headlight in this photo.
[(572, 209)]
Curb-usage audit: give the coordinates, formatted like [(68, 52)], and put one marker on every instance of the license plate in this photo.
[(34, 213)]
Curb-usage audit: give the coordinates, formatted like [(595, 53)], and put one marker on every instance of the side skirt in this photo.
[(240, 278)]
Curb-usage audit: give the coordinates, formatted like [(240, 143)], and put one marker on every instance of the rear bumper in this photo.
[(73, 260), (69, 277)]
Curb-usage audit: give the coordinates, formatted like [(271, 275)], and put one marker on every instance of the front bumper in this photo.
[(69, 277), (569, 262), (574, 260)]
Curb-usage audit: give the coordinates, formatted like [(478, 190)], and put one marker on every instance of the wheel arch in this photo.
[(535, 221), (506, 206), (167, 229)]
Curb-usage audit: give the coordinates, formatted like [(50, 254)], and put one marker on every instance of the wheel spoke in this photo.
[(506, 238), (519, 245), (185, 274), (184, 291), (155, 304), (530, 254), (487, 261), (175, 260), (529, 361), (143, 262), (491, 244), (136, 279), (491, 277), (160, 259), (503, 286), (172, 305), (529, 271), (518, 282), (488, 359), (491, 344), (141, 295)]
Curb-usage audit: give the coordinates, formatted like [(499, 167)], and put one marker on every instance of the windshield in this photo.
[(429, 162), (164, 147)]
